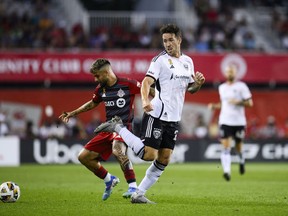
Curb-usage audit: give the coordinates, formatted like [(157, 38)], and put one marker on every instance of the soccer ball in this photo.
[(9, 192)]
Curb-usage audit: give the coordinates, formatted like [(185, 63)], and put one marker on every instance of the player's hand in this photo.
[(210, 106), (199, 78), (65, 116), (147, 106), (234, 102)]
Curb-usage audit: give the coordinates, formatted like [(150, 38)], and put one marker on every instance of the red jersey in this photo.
[(118, 99)]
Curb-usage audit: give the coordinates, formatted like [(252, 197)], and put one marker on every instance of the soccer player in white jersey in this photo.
[(234, 97), (172, 72)]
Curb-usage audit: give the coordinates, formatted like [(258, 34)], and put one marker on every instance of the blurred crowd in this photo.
[(33, 26), (52, 127)]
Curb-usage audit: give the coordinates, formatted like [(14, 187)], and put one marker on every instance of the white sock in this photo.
[(107, 177), (152, 175), (132, 141), (133, 184), (241, 158), (226, 160)]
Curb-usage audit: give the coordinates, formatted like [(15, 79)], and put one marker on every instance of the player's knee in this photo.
[(150, 155), (82, 157), (164, 160)]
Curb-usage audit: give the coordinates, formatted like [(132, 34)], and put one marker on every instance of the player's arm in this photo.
[(214, 106), (145, 90), (84, 108), (152, 90), (199, 79), (246, 103)]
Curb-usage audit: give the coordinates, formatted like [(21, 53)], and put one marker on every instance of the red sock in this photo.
[(130, 176), (101, 172)]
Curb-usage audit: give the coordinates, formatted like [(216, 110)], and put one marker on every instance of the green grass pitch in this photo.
[(183, 189)]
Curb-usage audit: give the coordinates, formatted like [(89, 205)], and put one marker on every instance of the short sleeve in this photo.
[(96, 96), (246, 94), (154, 69), (134, 87), (191, 68)]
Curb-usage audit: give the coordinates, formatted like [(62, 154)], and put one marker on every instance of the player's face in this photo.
[(230, 73), (171, 44), (101, 77)]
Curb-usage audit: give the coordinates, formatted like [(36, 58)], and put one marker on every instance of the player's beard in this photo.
[(231, 78)]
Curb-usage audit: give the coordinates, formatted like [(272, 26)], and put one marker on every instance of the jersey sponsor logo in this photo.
[(120, 102), (156, 133), (120, 93), (109, 103), (181, 77)]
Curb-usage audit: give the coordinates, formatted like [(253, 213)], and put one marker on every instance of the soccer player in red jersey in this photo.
[(118, 96)]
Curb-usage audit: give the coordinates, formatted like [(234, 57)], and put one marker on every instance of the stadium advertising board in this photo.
[(60, 67), (54, 151), (9, 151)]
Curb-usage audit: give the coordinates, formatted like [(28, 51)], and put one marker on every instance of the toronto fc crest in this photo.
[(120, 93)]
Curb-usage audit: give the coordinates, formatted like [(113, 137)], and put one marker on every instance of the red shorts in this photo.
[(102, 144)]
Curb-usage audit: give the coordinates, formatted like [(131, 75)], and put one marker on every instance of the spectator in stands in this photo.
[(76, 129), (270, 129), (94, 123), (201, 129), (18, 124), (285, 128), (31, 131), (253, 127), (4, 128), (54, 128)]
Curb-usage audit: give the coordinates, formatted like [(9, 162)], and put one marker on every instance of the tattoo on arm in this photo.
[(194, 88), (86, 107)]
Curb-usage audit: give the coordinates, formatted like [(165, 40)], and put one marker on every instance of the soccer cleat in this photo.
[(109, 126), (140, 199), (109, 186), (242, 168), (227, 176), (129, 193)]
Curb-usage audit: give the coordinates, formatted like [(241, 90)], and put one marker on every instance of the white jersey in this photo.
[(172, 76), (233, 115)]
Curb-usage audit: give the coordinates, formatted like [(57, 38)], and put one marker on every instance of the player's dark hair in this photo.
[(98, 64), (171, 29)]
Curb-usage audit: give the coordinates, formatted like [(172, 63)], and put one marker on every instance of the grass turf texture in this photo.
[(183, 189)]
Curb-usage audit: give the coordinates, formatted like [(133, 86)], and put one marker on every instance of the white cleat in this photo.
[(140, 199)]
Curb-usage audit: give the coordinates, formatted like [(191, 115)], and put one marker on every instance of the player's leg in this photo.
[(241, 157), (119, 150), (226, 158), (156, 169), (225, 132), (152, 175), (134, 142), (239, 136), (99, 148)]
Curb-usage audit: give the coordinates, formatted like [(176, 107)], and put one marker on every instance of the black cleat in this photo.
[(242, 169), (227, 176)]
